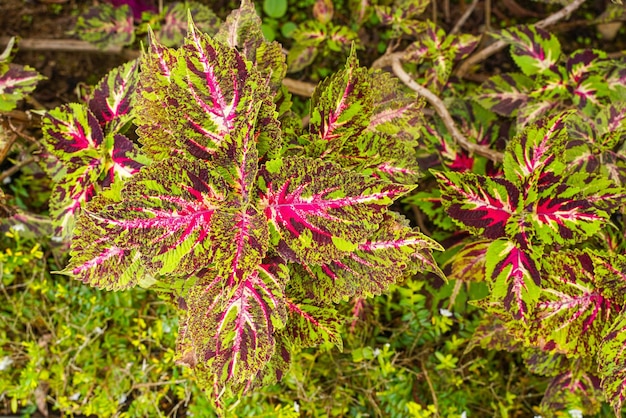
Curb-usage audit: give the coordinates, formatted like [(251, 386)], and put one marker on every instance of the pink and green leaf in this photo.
[(322, 211), (572, 312), (16, 82), (110, 101), (230, 331), (532, 151), (504, 94), (533, 49), (573, 390), (612, 362), (341, 106), (310, 324), (168, 218), (392, 253), (514, 277), (105, 25), (482, 205), (176, 18), (468, 264)]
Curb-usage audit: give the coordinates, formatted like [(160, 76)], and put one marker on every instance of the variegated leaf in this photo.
[(320, 210), (311, 323), (176, 18), (504, 94), (482, 205), (97, 261), (341, 107), (386, 257), (87, 160), (468, 264), (110, 102), (534, 50), (610, 270), (159, 139), (381, 156), (170, 220), (532, 151), (242, 30), (514, 277), (612, 362), (72, 133), (554, 214), (544, 362), (231, 330), (494, 330), (572, 311), (199, 96), (16, 81), (395, 112), (573, 390), (105, 25)]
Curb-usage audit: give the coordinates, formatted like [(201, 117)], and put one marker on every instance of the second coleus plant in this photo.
[(256, 226)]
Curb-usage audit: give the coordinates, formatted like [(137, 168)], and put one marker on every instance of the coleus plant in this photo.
[(255, 226), (555, 275)]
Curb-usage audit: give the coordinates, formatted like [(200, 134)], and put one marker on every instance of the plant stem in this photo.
[(441, 110), (498, 45), (464, 17)]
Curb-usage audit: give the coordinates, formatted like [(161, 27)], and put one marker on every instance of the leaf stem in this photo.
[(441, 110), (498, 45)]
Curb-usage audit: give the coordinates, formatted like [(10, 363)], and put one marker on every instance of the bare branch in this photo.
[(441, 110), (464, 17), (498, 45)]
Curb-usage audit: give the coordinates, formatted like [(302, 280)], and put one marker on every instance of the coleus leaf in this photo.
[(531, 152), (504, 94), (110, 101), (387, 256), (394, 111), (533, 49), (242, 30), (311, 323), (88, 160), (482, 205), (545, 363), (381, 156), (230, 331), (320, 210), (16, 81), (169, 220), (340, 107), (572, 312), (514, 277), (468, 264), (99, 262), (175, 21), (573, 390), (557, 215), (218, 80), (612, 362), (493, 333), (105, 25)]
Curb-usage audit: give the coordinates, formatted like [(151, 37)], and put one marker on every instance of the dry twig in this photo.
[(442, 111), (464, 17)]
